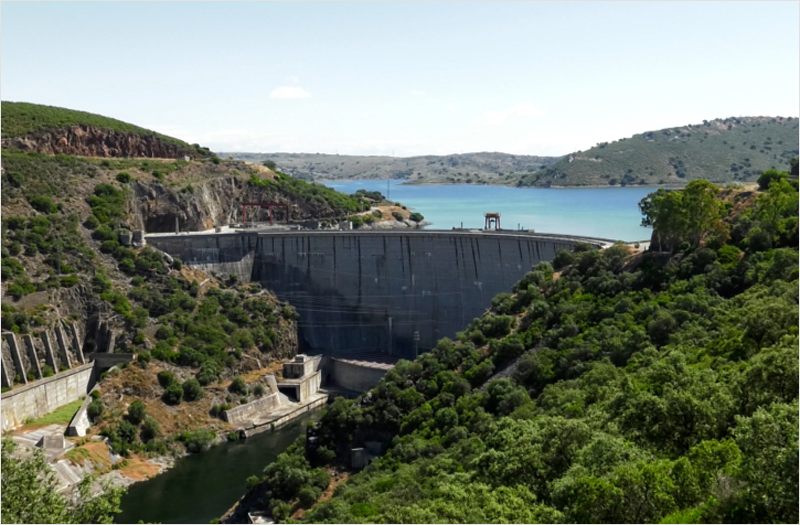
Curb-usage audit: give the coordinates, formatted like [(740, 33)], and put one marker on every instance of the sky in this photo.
[(405, 78)]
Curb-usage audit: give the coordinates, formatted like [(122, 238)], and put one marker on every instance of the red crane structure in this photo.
[(268, 205)]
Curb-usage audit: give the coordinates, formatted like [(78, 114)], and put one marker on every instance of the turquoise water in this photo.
[(611, 213)]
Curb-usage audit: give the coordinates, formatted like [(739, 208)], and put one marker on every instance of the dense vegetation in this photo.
[(655, 388), (22, 118), (724, 150)]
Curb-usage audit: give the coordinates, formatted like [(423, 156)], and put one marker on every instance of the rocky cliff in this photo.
[(93, 141), (216, 202)]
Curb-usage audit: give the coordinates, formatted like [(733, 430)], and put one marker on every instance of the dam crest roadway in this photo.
[(390, 292)]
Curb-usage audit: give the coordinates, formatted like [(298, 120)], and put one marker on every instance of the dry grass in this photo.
[(94, 451), (139, 469)]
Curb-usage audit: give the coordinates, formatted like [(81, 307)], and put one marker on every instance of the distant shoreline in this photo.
[(587, 186)]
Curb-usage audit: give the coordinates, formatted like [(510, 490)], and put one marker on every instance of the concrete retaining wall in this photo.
[(45, 395), (372, 291), (355, 377), (253, 410), (320, 400), (80, 422)]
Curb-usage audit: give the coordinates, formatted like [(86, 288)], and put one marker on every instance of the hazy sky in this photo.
[(542, 78)]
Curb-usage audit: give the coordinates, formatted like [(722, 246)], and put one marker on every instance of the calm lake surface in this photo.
[(201, 487), (611, 213)]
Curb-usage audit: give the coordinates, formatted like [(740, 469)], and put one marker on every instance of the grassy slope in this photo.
[(719, 151), (22, 118)]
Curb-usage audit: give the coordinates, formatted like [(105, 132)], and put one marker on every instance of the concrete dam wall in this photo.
[(373, 291)]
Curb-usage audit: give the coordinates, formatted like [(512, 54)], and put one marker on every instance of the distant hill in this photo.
[(466, 168), (723, 150)]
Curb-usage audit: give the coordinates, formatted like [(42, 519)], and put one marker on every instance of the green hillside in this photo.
[(22, 118), (608, 387), (723, 150)]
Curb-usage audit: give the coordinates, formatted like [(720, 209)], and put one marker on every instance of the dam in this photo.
[(393, 292)]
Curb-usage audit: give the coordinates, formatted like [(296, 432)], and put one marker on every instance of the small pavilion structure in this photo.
[(491, 221)]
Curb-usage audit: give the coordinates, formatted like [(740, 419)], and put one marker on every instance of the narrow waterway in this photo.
[(201, 487)]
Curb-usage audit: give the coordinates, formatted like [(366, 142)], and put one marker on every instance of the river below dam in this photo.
[(201, 487), (611, 213)]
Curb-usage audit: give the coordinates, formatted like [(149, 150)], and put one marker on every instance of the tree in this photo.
[(681, 215), (30, 494), (770, 176), (662, 211), (702, 209)]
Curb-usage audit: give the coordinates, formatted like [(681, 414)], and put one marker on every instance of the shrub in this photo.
[(143, 358), (173, 395), (562, 259), (11, 268), (43, 204), (165, 378), (377, 213), (238, 386), (91, 222), (126, 432), (137, 412), (398, 216), (357, 221), (416, 217), (95, 409), (308, 495), (151, 429), (47, 371), (192, 390), (280, 509), (164, 332), (68, 280), (197, 441), (251, 482), (15, 223), (259, 390), (123, 177)]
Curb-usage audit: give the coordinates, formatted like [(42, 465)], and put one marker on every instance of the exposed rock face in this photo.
[(215, 202), (91, 141)]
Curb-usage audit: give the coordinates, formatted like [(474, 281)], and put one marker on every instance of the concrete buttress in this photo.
[(33, 357)]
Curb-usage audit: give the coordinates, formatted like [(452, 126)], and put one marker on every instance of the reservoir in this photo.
[(611, 213), (201, 487)]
